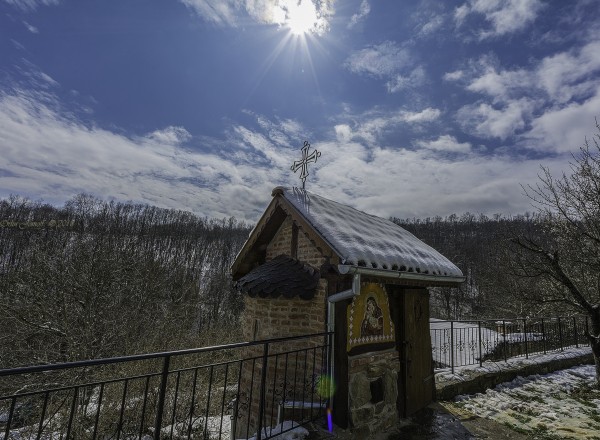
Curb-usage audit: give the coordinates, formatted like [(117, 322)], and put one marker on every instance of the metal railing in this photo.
[(460, 343), (229, 391)]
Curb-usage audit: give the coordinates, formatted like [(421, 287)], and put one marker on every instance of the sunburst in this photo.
[(301, 16)]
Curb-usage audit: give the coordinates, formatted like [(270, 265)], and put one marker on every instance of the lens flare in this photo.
[(326, 386)]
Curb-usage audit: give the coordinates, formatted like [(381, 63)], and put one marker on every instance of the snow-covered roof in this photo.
[(365, 240)]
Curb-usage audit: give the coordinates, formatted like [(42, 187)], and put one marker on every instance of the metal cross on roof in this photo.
[(303, 163)]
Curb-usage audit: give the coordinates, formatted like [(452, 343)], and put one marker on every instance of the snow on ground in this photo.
[(468, 371), (220, 428), (558, 403), (290, 431)]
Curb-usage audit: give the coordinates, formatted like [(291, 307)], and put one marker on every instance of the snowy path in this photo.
[(555, 405)]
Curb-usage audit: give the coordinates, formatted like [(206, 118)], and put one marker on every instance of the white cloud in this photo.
[(503, 16), (453, 76), (400, 82), (564, 129), (461, 12), (53, 156), (561, 77), (371, 126), (489, 122), (218, 11), (343, 132), (382, 60), (31, 28), (280, 12), (567, 74), (432, 25), (446, 143), (407, 183), (543, 98), (284, 133), (31, 5), (427, 115), (387, 61), (170, 136), (50, 155), (363, 11), (500, 86)]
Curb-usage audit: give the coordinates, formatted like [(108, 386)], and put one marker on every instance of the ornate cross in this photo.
[(303, 163)]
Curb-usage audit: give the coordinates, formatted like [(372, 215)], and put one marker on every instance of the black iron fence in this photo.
[(459, 343), (239, 390)]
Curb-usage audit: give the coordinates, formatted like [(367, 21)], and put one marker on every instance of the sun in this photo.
[(301, 16)]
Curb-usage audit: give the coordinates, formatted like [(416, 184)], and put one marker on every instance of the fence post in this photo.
[(525, 337), (480, 351), (560, 335), (263, 384), (575, 332), (160, 406), (452, 345), (543, 335), (504, 349)]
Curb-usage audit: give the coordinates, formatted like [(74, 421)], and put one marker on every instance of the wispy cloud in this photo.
[(431, 26), (372, 125), (515, 101), (382, 60), (362, 13), (429, 183), (52, 155), (503, 16), (402, 82), (31, 28), (387, 61), (217, 11), (234, 12), (446, 143), (500, 122), (31, 5), (563, 129), (171, 136)]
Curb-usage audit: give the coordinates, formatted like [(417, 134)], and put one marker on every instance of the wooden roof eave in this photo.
[(317, 240), (255, 237), (249, 252)]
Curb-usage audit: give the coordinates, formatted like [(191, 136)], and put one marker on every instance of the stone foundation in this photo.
[(373, 391)]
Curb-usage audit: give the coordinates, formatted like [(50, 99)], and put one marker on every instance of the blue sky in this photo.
[(419, 108)]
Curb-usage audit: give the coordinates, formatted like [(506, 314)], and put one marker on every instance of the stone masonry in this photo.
[(267, 318)]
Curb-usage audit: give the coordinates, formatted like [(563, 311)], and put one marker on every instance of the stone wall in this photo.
[(373, 391), (267, 318)]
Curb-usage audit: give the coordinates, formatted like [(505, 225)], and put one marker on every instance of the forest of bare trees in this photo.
[(483, 248), (96, 279)]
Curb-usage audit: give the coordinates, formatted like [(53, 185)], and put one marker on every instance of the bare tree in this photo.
[(96, 279), (563, 261)]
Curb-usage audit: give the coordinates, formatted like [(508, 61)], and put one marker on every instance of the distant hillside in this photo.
[(94, 279), (480, 246)]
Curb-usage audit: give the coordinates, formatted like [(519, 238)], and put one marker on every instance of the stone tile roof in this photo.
[(365, 240), (282, 276)]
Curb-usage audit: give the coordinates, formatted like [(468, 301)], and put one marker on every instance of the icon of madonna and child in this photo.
[(372, 323)]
